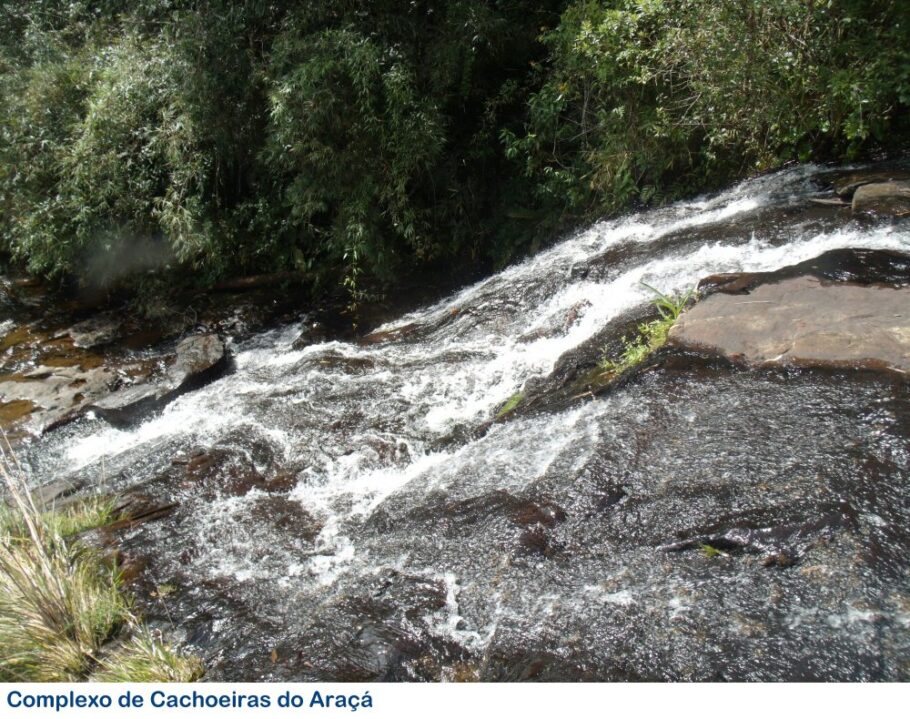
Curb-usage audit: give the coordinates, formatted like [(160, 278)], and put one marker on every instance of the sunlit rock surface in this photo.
[(885, 198), (804, 322)]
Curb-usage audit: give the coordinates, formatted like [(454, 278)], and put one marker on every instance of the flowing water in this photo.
[(347, 511)]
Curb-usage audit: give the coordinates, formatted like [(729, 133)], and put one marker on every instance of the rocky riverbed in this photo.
[(313, 506)]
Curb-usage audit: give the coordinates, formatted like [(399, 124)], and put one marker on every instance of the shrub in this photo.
[(651, 100)]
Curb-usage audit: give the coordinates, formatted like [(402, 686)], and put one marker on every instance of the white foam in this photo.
[(365, 423)]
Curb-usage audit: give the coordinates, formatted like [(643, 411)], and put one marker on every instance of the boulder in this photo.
[(99, 330), (197, 356), (57, 393), (884, 198), (392, 335), (312, 333), (199, 359), (802, 321), (847, 184)]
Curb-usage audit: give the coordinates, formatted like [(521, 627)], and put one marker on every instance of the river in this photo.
[(349, 511)]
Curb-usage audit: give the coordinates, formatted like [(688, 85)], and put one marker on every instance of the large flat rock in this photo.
[(199, 360), (805, 322), (121, 393), (884, 198)]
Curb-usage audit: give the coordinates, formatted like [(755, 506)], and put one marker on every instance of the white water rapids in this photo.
[(367, 426)]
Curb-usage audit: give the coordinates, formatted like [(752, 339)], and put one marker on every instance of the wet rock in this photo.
[(860, 266), (609, 498), (49, 493), (200, 359), (120, 392), (286, 515), (98, 330), (731, 283), (127, 405), (781, 544), (546, 514), (455, 515), (883, 198), (130, 568), (509, 662), (313, 333), (779, 559), (536, 541), (391, 335), (225, 472), (865, 267), (139, 509), (377, 631), (196, 356), (13, 411), (803, 322), (829, 201), (848, 184), (57, 394), (348, 365), (558, 324)]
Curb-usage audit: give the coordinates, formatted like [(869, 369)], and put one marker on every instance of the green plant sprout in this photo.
[(510, 405), (651, 335)]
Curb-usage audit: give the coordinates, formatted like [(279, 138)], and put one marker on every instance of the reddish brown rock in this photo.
[(801, 321)]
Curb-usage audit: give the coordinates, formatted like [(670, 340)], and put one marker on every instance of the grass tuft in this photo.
[(147, 659), (711, 552), (65, 522), (651, 335), (510, 405), (58, 601), (61, 602)]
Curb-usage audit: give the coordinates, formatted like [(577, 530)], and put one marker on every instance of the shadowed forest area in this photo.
[(350, 143)]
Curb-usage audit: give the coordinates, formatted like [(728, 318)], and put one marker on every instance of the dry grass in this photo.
[(146, 659), (61, 602)]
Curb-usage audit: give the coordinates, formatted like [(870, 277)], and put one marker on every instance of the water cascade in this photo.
[(351, 511)]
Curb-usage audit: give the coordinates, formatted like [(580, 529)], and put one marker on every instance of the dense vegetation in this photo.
[(352, 140)]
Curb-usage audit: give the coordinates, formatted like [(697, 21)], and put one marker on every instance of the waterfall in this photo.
[(397, 497)]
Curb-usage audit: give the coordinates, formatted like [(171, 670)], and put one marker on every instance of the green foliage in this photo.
[(348, 140), (354, 141), (670, 308), (352, 136), (510, 405), (651, 335), (712, 552), (648, 100)]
